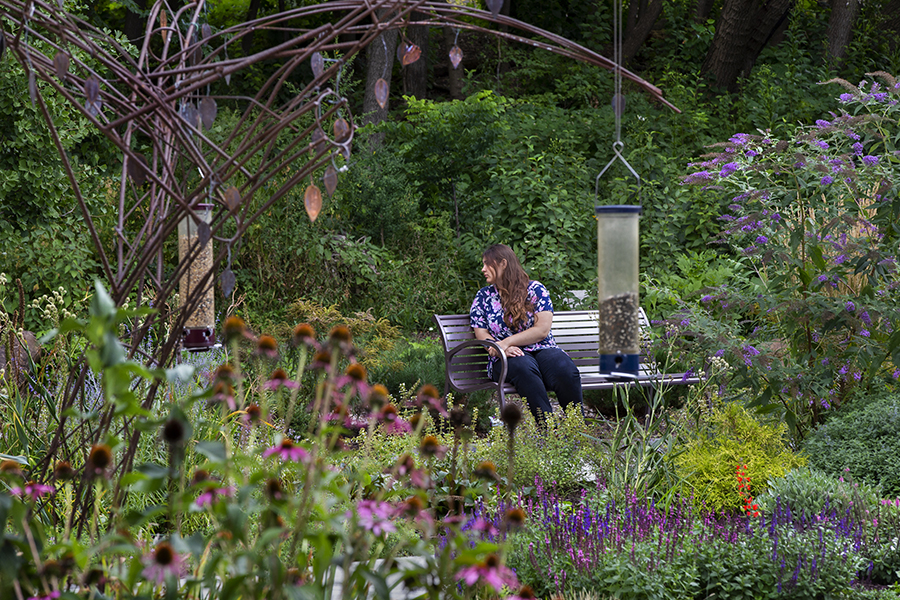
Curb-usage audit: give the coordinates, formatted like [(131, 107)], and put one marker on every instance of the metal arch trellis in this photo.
[(154, 105)]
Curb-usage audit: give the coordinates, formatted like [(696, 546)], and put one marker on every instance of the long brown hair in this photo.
[(511, 283)]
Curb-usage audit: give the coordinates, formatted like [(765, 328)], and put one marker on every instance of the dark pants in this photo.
[(541, 370)]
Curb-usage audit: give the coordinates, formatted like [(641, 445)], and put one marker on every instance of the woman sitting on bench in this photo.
[(517, 313)]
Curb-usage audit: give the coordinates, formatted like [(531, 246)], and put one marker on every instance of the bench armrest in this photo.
[(484, 344)]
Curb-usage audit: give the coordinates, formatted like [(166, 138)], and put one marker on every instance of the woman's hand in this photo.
[(509, 349)]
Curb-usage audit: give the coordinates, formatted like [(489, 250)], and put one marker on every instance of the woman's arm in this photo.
[(512, 345)]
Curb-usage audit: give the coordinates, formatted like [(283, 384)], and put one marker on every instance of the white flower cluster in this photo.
[(3, 279), (718, 364), (54, 306)]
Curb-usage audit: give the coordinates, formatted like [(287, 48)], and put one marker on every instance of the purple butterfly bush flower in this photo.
[(850, 306), (857, 148), (751, 153), (762, 239), (822, 144), (827, 180), (728, 169), (822, 123), (869, 160)]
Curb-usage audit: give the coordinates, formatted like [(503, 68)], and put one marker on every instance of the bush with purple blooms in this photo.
[(817, 216)]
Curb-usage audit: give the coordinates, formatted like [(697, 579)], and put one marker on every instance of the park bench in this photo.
[(576, 332)]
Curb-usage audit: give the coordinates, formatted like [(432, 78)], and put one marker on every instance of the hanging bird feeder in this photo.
[(618, 287), (618, 252), (194, 240)]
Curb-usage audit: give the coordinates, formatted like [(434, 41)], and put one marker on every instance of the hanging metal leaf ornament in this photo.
[(205, 32), (32, 88), (318, 140), (208, 111), (61, 64), (330, 180), (204, 233), (456, 56), (341, 130), (318, 64), (190, 114), (163, 23), (411, 55), (2, 43), (93, 102), (232, 198), (137, 169), (381, 92), (494, 6), (227, 281), (312, 199)]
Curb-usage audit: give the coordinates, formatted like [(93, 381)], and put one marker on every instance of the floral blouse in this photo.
[(487, 313)]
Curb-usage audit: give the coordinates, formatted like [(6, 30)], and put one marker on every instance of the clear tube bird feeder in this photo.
[(199, 328), (618, 289)]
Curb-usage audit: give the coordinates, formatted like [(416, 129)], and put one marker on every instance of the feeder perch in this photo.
[(617, 289), (199, 328)]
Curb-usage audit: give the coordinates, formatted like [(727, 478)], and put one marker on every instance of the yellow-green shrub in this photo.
[(730, 436)]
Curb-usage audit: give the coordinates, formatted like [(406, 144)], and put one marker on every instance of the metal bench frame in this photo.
[(577, 332)]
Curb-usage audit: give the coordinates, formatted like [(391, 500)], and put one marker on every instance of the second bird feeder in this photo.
[(199, 329), (618, 288)]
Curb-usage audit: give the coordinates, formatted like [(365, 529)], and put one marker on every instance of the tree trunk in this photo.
[(840, 29), (454, 76), (252, 13), (742, 31), (379, 64), (891, 20), (415, 76), (135, 24), (642, 17), (704, 7)]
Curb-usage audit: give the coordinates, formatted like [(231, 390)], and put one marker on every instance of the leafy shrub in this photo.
[(561, 456), (809, 491), (729, 436), (863, 440)]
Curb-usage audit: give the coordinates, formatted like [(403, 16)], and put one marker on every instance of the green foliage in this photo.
[(810, 492), (730, 436), (637, 452), (560, 456), (862, 439), (43, 238)]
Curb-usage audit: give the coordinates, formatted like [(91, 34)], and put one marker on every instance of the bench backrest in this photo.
[(576, 331)]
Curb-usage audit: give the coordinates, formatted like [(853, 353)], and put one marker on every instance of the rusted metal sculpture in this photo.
[(155, 106)]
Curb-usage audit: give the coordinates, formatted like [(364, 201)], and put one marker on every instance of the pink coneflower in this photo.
[(288, 451), (163, 562), (375, 516), (526, 593), (32, 489), (491, 572), (51, 596), (304, 334), (280, 378), (212, 495), (429, 396), (391, 421), (267, 346), (355, 377)]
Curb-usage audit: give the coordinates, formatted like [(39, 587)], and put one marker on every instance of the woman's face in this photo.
[(492, 272)]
